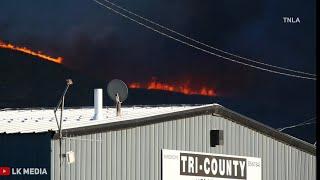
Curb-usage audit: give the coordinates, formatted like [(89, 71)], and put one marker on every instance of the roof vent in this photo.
[(98, 96)]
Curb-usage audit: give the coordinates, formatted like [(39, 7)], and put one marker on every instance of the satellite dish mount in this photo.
[(118, 104)]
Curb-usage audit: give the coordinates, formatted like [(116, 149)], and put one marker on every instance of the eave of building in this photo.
[(161, 114)]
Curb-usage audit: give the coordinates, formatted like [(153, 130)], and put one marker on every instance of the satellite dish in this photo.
[(115, 87)]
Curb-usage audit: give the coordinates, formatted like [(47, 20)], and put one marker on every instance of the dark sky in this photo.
[(95, 41)]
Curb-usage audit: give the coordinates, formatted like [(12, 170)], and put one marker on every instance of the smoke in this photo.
[(100, 43)]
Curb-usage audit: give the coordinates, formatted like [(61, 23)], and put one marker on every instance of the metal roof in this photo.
[(79, 120), (42, 120)]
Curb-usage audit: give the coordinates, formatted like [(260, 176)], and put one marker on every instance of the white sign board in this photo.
[(178, 165)]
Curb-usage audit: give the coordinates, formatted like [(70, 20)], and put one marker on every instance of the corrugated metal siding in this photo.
[(135, 153)]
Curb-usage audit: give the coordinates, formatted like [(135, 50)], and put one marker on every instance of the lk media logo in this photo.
[(5, 171), (14, 171)]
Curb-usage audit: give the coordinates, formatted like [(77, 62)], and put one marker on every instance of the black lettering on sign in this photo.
[(213, 166)]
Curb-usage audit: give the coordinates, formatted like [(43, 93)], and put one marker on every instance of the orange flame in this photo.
[(183, 88), (31, 52)]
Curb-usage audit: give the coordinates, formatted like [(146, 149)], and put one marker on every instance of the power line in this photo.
[(199, 48), (289, 127), (204, 44), (299, 124)]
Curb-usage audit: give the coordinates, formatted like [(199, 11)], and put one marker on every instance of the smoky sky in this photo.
[(98, 42)]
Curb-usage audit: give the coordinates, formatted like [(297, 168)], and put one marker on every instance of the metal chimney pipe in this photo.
[(98, 96)]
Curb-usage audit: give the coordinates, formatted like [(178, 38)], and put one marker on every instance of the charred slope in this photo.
[(26, 81)]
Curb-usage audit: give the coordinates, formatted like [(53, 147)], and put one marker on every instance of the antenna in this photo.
[(118, 92), (61, 105)]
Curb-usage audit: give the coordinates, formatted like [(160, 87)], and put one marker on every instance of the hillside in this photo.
[(26, 81)]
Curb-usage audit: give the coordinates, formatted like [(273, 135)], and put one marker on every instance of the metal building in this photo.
[(131, 146)]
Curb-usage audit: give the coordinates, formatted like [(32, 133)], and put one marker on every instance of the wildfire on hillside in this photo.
[(31, 52), (183, 88)]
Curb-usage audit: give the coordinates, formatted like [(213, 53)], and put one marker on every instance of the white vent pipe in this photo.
[(98, 103)]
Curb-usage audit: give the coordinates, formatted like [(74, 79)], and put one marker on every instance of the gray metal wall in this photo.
[(135, 153)]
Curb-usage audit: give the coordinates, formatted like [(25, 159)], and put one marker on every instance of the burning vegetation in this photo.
[(183, 88), (31, 52), (153, 84)]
